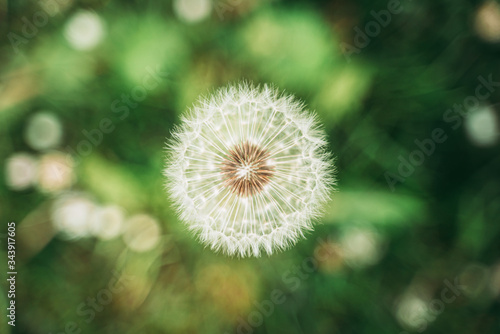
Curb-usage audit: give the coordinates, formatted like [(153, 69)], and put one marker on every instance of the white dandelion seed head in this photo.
[(248, 171)]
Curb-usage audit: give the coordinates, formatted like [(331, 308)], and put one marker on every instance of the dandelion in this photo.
[(248, 170)]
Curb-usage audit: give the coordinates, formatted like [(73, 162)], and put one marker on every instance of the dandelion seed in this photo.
[(248, 170)]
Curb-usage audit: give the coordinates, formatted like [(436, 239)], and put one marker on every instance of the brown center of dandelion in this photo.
[(246, 170)]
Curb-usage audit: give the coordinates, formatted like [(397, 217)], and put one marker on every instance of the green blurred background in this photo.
[(90, 90)]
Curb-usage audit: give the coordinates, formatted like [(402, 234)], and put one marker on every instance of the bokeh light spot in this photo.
[(482, 127), (71, 215), (84, 31), (487, 22), (107, 222), (20, 171), (192, 10), (55, 172), (43, 131)]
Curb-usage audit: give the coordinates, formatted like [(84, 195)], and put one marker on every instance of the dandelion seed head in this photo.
[(248, 170)]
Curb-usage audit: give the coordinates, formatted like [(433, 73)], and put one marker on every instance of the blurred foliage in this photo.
[(93, 219)]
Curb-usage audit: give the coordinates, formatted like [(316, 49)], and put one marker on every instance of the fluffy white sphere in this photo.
[(248, 171)]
